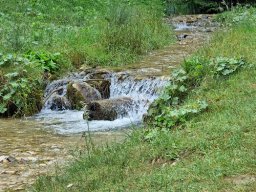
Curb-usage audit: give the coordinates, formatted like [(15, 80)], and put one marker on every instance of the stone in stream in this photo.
[(108, 109), (97, 73), (80, 93), (59, 102), (102, 85), (181, 36), (7, 159)]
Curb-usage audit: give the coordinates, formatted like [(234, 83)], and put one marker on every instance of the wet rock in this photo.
[(182, 36), (55, 86), (2, 158), (102, 85), (191, 20), (7, 159), (31, 159), (97, 73), (59, 102), (10, 172), (79, 93), (108, 109), (208, 30)]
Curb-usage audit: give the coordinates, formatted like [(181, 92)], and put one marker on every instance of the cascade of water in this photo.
[(142, 92)]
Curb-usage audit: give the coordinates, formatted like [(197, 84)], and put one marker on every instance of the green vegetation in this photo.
[(169, 110), (84, 32), (22, 79), (49, 38), (213, 151)]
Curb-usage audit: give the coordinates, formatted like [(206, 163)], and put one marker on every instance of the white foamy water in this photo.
[(182, 27), (71, 121), (143, 92)]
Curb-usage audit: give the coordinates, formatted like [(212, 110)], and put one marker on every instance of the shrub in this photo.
[(22, 79), (169, 109), (20, 85)]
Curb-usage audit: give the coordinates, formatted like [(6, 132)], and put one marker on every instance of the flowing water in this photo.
[(142, 92), (31, 146)]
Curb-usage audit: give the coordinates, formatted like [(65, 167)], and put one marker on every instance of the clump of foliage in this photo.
[(225, 66), (169, 110), (22, 80), (49, 62), (20, 85)]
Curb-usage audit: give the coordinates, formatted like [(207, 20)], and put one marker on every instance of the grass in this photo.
[(239, 39), (84, 32), (214, 151)]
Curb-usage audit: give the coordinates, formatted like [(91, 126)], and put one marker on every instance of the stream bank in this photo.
[(28, 150), (31, 147)]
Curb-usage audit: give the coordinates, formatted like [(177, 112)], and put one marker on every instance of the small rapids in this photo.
[(142, 91), (182, 27)]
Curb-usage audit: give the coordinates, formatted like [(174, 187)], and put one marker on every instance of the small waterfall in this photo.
[(142, 92), (56, 90)]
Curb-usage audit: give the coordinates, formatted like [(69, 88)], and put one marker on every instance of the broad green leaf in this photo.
[(3, 109), (7, 97)]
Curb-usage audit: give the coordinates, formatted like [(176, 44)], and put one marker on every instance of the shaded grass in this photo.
[(207, 153), (237, 39)]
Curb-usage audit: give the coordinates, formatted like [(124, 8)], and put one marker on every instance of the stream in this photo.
[(32, 146)]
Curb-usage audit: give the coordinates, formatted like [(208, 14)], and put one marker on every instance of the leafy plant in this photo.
[(196, 67), (48, 62), (223, 66), (172, 116), (20, 85), (169, 109)]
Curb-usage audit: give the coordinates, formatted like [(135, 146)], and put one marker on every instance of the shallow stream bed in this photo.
[(29, 150)]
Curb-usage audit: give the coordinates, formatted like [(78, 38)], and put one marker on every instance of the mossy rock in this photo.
[(108, 109), (103, 86), (75, 98), (80, 93)]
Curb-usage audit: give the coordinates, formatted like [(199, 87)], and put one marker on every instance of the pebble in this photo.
[(2, 158)]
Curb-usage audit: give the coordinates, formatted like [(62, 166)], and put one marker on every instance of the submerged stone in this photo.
[(108, 109), (59, 103)]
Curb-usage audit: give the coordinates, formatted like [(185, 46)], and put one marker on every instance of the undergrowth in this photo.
[(169, 109), (22, 81)]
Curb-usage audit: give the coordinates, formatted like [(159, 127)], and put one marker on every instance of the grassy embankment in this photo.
[(213, 151), (85, 32), (41, 40)]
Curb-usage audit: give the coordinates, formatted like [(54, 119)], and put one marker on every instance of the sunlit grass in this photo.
[(85, 32)]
